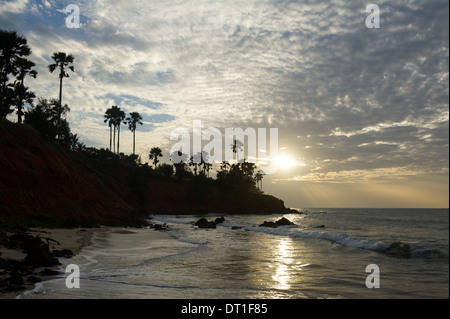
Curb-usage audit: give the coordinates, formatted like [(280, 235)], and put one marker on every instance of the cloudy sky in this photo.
[(362, 114)]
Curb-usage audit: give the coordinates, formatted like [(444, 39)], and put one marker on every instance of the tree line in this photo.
[(48, 116)]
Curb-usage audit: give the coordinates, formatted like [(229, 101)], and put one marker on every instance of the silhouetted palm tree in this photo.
[(204, 157), (155, 152), (196, 161), (179, 160), (13, 49), (114, 116), (24, 67), (132, 121), (62, 61), (21, 96), (109, 118), (119, 116), (236, 146), (258, 178)]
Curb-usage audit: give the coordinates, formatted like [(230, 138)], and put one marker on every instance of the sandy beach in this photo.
[(73, 239)]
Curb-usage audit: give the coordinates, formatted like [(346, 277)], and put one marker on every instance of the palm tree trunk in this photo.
[(134, 140), (60, 100), (115, 138), (118, 139), (110, 136), (20, 106)]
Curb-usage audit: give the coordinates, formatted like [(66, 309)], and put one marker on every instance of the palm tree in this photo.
[(132, 121), (196, 161), (13, 50), (114, 116), (62, 61), (204, 157), (258, 178), (179, 160), (236, 146), (119, 116), (21, 95), (25, 67), (155, 152), (109, 118)]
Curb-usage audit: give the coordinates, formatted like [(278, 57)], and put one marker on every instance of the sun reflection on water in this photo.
[(287, 266)]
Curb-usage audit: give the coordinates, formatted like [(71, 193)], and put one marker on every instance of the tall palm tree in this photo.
[(119, 117), (236, 146), (109, 118), (62, 61), (132, 121), (114, 116), (155, 152), (24, 67)]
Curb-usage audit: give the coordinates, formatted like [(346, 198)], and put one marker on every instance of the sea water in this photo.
[(324, 255)]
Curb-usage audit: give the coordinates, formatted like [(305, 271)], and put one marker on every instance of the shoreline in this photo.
[(60, 239)]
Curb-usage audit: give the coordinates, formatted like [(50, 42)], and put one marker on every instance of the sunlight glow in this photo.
[(285, 162)]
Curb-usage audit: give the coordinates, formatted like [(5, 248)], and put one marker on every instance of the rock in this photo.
[(3, 283), (4, 263), (159, 226), (48, 272), (281, 222), (40, 257), (18, 240), (33, 279), (219, 220), (399, 249), (66, 253), (320, 226), (236, 227), (15, 279), (284, 222), (268, 224), (203, 223), (14, 288)]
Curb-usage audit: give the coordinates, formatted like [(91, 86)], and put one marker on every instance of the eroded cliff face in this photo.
[(40, 178)]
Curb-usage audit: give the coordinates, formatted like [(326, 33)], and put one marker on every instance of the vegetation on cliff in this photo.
[(44, 181)]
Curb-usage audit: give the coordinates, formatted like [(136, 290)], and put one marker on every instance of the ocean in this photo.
[(324, 255)]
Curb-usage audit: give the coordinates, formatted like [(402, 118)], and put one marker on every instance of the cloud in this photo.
[(345, 98)]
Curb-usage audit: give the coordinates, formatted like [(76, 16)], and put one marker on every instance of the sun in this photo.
[(285, 162)]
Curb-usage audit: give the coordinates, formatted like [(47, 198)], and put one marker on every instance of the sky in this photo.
[(362, 113)]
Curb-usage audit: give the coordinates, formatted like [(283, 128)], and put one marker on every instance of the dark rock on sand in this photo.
[(204, 223), (219, 220), (66, 253), (15, 279), (48, 272), (159, 226), (13, 288), (41, 257), (33, 279)]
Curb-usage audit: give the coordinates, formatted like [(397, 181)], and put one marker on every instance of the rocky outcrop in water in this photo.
[(281, 222)]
